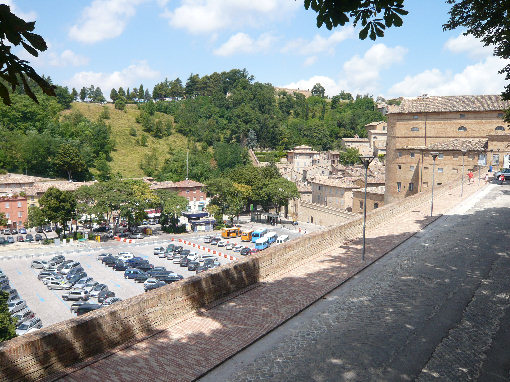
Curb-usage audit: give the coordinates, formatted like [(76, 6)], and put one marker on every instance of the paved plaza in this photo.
[(389, 317)]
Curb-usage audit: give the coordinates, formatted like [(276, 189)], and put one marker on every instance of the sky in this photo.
[(112, 43)]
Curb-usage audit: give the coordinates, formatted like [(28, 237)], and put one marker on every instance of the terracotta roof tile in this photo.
[(460, 144), (426, 104)]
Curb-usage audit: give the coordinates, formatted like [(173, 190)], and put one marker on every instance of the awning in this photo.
[(195, 215)]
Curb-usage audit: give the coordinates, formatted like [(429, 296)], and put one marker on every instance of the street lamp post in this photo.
[(434, 157), (464, 152), (366, 160)]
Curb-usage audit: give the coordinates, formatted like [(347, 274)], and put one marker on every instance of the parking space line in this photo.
[(19, 273), (39, 297)]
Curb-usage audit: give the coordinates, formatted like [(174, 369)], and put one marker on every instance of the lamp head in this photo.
[(366, 159), (434, 155)]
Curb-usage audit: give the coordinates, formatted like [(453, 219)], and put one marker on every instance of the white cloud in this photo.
[(133, 75), (103, 19), (470, 45), (242, 43), (318, 44), (360, 75), (27, 16), (480, 78), (310, 61), (67, 58), (206, 16)]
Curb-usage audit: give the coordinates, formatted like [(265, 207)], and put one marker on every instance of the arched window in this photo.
[(462, 128), (415, 129), (500, 128)]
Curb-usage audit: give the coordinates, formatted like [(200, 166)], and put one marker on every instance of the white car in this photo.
[(158, 251), (39, 264), (193, 256), (59, 284), (49, 279), (229, 246), (84, 281), (238, 248), (25, 327), (203, 257), (125, 255), (222, 243), (176, 259)]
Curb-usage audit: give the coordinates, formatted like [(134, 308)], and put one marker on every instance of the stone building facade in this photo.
[(460, 128), (15, 209), (361, 144), (375, 199), (301, 157)]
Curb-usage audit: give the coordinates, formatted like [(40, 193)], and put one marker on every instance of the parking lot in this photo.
[(51, 308)]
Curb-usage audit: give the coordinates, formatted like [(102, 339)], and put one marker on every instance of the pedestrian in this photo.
[(501, 179), (470, 176), (486, 178)]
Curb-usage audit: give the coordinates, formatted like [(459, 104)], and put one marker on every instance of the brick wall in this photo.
[(51, 349)]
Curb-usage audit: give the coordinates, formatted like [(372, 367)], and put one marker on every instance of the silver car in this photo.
[(39, 264), (16, 305), (34, 323)]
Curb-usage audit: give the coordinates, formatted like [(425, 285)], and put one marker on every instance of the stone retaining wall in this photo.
[(58, 346)]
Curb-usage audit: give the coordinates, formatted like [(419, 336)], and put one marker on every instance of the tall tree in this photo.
[(83, 94), (114, 95), (141, 92), (318, 90), (172, 206), (69, 159), (7, 322), (74, 94), (147, 96), (122, 93), (36, 218), (58, 206)]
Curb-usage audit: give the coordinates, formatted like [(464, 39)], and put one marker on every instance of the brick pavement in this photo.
[(191, 347)]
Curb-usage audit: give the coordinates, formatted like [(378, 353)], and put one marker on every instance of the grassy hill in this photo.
[(128, 153)]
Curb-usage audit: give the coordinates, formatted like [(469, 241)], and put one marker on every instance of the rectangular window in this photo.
[(399, 186), (495, 159), (6, 204), (500, 115), (399, 167), (319, 188), (399, 154), (455, 156), (482, 160), (7, 215), (463, 116), (412, 155), (425, 184), (411, 186), (415, 129), (19, 204), (425, 168), (20, 214), (415, 117), (360, 204), (376, 205), (455, 170), (411, 168), (441, 156), (440, 169)]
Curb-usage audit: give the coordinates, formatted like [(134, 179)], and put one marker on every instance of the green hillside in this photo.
[(128, 152)]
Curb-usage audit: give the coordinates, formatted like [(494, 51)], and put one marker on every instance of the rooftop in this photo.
[(373, 190), (426, 104), (62, 185), (345, 182), (20, 178)]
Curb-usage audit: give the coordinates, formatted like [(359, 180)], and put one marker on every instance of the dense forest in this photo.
[(220, 115)]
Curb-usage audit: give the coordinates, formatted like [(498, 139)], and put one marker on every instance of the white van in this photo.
[(206, 256), (282, 239)]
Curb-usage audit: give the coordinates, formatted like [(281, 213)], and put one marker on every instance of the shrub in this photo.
[(132, 131)]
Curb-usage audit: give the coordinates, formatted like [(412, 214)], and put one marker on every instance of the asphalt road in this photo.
[(435, 308)]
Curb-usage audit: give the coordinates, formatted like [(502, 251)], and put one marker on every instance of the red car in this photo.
[(21, 239)]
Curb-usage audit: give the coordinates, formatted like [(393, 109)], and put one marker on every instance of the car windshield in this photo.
[(98, 287), (24, 326)]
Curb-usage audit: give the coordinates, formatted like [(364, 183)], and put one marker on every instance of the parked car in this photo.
[(245, 251), (150, 284), (505, 172), (7, 231), (59, 284), (184, 262), (75, 295), (38, 237), (105, 294), (222, 243), (170, 278), (57, 259), (20, 239), (176, 259), (207, 239), (14, 231), (33, 323), (101, 256), (68, 268), (170, 247), (22, 316), (47, 228), (111, 300), (74, 271), (82, 282), (76, 277), (136, 236), (56, 278), (16, 305), (229, 246), (38, 264), (46, 273), (120, 265), (10, 240), (109, 260), (76, 305), (145, 266), (23, 231), (159, 250), (135, 260), (215, 240), (85, 308), (90, 285), (29, 237), (201, 268), (141, 277), (125, 255), (131, 273), (193, 265), (39, 230), (97, 289), (178, 249)]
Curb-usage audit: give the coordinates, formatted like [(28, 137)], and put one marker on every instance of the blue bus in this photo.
[(262, 243), (271, 237), (258, 234)]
